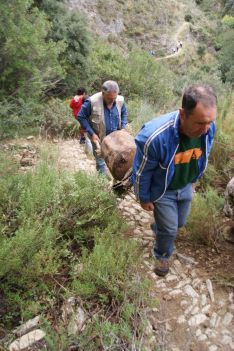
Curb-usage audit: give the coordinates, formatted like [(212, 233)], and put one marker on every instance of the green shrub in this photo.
[(139, 75), (140, 112), (105, 274), (201, 50), (56, 119), (53, 223), (203, 219), (50, 119), (188, 17), (222, 152), (228, 21), (29, 63), (47, 220), (225, 55)]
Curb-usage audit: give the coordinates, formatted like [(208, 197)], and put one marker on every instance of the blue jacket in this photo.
[(153, 165)]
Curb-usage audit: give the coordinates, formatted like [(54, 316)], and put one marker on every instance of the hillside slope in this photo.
[(148, 24)]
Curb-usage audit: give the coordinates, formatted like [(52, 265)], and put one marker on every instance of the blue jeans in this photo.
[(100, 163), (170, 213)]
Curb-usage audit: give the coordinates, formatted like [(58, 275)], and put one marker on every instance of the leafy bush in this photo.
[(28, 63), (138, 75), (50, 222), (52, 118), (56, 119), (222, 151), (140, 112), (70, 29), (105, 274), (228, 21), (18, 117), (225, 56), (188, 17), (201, 50), (229, 7), (203, 219)]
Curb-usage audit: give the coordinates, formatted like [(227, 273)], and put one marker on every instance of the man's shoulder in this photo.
[(212, 129), (95, 97), (160, 123)]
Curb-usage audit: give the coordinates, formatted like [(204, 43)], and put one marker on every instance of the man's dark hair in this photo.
[(195, 94), (81, 91)]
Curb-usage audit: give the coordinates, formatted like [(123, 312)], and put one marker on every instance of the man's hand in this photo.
[(194, 187), (147, 206), (95, 139)]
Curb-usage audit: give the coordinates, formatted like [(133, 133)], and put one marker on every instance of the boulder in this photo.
[(28, 326), (27, 340), (118, 150)]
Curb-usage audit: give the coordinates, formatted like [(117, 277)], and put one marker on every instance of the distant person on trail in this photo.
[(172, 154), (181, 44), (102, 114), (75, 104)]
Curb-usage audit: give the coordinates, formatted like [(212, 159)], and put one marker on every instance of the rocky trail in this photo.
[(193, 313), (177, 37)]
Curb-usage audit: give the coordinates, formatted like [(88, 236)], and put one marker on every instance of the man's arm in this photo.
[(124, 116), (83, 115), (144, 165)]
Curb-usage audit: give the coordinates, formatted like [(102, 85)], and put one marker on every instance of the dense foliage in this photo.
[(59, 229), (28, 62)]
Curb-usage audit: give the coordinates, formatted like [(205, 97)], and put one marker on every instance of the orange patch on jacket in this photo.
[(185, 157)]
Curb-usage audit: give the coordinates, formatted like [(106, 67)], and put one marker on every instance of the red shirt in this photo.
[(76, 103)]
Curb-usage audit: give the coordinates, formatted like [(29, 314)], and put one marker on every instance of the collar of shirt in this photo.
[(114, 104)]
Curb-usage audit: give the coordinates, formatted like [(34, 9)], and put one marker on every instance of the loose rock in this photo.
[(27, 340), (26, 327), (227, 318), (190, 291), (181, 319), (197, 320), (210, 289), (185, 259)]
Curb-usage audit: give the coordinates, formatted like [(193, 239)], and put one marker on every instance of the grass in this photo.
[(142, 113), (204, 217), (50, 119), (51, 225)]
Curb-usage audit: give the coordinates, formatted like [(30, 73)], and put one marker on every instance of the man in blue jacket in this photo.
[(172, 154)]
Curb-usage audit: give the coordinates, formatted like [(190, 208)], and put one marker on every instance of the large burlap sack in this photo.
[(118, 150)]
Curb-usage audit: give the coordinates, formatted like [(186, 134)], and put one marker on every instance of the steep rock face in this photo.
[(145, 23), (229, 200), (91, 9)]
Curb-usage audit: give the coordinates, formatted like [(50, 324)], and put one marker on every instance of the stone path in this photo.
[(177, 36), (192, 314), (72, 157)]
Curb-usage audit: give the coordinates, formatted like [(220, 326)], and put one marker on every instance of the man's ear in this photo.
[(182, 114)]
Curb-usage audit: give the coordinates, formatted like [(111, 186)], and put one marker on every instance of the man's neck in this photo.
[(109, 106)]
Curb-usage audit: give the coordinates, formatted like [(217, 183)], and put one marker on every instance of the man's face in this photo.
[(198, 122), (109, 97)]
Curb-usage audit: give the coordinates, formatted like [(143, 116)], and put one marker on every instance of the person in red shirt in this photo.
[(75, 104)]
